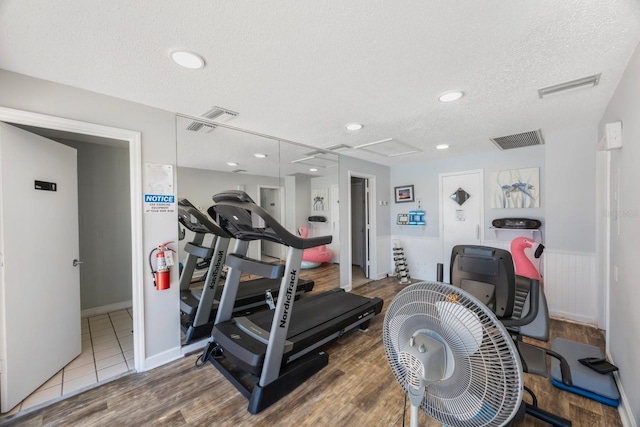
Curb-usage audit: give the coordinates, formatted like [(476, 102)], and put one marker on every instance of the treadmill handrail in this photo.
[(186, 210), (235, 207)]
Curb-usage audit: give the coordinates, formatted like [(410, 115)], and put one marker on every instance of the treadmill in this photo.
[(268, 354), (198, 306)]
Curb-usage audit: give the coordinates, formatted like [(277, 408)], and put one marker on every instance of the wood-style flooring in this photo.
[(355, 389)]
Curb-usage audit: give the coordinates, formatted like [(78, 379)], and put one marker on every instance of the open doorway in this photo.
[(81, 134), (360, 231), (270, 199)]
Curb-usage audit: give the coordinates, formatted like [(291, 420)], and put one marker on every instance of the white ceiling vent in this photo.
[(388, 148), (519, 140), (217, 114)]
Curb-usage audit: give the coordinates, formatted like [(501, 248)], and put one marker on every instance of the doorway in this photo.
[(360, 230), (131, 140), (461, 212), (270, 199)]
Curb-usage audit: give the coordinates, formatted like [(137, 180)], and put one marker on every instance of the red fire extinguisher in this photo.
[(164, 261)]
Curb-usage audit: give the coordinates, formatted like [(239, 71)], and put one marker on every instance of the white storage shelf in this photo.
[(521, 231)]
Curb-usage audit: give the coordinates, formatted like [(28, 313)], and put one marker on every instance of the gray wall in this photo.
[(158, 130), (623, 334), (105, 227)]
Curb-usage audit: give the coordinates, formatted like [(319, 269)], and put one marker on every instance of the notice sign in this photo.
[(158, 203), (159, 197)]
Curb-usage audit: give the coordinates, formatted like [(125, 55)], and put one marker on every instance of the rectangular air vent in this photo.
[(519, 140), (217, 114)]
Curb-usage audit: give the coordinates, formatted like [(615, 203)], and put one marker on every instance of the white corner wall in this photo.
[(623, 336)]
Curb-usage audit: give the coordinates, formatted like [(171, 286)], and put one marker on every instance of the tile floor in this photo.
[(107, 352)]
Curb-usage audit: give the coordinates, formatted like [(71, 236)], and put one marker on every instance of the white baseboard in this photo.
[(96, 311), (193, 347), (383, 275), (573, 317), (162, 358)]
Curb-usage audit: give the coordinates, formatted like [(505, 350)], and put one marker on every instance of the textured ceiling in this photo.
[(302, 69)]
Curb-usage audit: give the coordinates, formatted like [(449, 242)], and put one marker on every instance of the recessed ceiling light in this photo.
[(313, 169), (186, 59), (260, 155), (450, 96), (232, 163), (442, 146), (354, 126)]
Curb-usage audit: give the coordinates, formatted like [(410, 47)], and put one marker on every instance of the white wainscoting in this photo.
[(383, 251), (422, 254), (571, 286)]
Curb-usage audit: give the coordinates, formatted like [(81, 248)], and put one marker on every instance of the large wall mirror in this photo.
[(297, 184)]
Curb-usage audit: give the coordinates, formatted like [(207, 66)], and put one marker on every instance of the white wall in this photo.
[(162, 310), (623, 337), (567, 212), (570, 156), (320, 228), (423, 247)]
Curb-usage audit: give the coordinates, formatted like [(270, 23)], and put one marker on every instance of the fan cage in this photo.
[(485, 388), (415, 371)]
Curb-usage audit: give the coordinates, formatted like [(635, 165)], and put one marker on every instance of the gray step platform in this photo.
[(586, 382)]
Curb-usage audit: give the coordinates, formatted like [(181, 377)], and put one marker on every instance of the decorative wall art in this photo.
[(319, 199), (515, 188), (404, 194)]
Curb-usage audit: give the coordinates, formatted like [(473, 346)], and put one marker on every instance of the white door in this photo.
[(40, 309), (462, 207)]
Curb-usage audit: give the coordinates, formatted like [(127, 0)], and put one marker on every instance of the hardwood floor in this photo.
[(356, 388)]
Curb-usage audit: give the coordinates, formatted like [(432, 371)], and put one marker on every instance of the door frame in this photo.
[(482, 202), (603, 237), (134, 140), (371, 236)]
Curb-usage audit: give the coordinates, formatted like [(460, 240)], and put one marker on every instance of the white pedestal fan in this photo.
[(452, 356)]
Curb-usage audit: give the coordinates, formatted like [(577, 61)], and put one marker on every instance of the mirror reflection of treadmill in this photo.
[(266, 355), (199, 299)]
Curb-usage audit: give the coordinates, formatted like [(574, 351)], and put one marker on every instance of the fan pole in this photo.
[(414, 415)]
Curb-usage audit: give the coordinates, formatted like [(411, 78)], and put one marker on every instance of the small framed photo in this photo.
[(404, 194)]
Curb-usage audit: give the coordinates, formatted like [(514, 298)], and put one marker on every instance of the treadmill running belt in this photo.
[(313, 311)]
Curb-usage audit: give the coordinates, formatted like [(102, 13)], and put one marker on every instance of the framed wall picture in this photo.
[(515, 188), (319, 199), (404, 193)]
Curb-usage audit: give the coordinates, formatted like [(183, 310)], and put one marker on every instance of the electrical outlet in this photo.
[(615, 273)]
